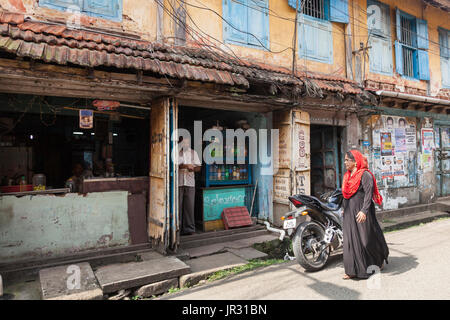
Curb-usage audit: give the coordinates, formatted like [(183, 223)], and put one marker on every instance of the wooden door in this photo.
[(293, 161), (163, 195)]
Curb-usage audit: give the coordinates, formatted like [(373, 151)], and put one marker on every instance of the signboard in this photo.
[(86, 119), (215, 200)]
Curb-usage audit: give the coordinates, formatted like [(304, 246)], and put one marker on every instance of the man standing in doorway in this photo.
[(188, 164)]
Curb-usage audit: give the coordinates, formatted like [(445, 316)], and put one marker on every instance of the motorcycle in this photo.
[(314, 239)]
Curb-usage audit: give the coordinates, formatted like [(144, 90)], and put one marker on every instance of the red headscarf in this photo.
[(352, 182)]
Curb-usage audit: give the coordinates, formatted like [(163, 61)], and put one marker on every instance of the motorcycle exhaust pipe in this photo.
[(281, 232)]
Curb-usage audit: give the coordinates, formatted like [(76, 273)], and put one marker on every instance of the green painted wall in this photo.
[(49, 225)]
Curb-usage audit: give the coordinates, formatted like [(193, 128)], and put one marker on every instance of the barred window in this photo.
[(314, 8)]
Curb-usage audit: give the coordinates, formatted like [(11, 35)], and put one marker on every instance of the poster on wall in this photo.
[(410, 136), (400, 140), (387, 164), (427, 148), (386, 144), (399, 165)]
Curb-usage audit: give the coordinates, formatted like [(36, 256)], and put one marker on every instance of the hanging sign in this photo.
[(103, 105), (86, 119)]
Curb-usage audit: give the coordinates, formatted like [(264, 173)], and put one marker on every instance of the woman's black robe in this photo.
[(364, 243)]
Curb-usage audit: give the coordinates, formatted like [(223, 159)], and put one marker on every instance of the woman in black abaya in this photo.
[(364, 243)]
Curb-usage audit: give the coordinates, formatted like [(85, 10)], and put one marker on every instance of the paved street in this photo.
[(418, 269)]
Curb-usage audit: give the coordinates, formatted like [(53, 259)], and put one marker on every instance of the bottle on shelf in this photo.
[(23, 184), (219, 173)]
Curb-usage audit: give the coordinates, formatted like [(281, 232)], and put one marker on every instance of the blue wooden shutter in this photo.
[(293, 4), (307, 37), (315, 40), (422, 34), (324, 42), (235, 26), (380, 55), (108, 9), (61, 4), (444, 36), (445, 70), (339, 11), (399, 58), (423, 65), (398, 22), (257, 22)]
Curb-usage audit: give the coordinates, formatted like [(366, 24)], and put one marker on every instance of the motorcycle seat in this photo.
[(329, 206)]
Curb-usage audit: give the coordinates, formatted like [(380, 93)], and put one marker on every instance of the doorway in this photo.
[(326, 159), (442, 160)]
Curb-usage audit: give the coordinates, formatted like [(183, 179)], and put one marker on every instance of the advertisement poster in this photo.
[(387, 167), (386, 144), (86, 119), (427, 141), (400, 140), (399, 166), (427, 147), (410, 136)]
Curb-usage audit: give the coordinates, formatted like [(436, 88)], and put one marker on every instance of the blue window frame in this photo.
[(444, 44), (246, 22), (315, 39), (411, 47), (332, 10), (380, 52), (106, 9)]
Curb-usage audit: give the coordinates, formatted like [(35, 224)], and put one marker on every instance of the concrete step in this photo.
[(212, 234), (221, 247), (224, 238), (69, 282), (97, 258), (391, 223), (154, 268), (202, 268)]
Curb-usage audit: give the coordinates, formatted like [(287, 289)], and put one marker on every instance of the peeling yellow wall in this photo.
[(139, 16), (435, 18), (281, 26)]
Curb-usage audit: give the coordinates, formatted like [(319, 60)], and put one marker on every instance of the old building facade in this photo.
[(340, 74)]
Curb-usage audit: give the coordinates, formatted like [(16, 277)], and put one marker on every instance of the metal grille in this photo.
[(408, 62), (314, 8), (408, 35), (407, 32)]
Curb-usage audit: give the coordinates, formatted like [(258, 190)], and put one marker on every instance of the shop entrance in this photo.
[(80, 166), (442, 160), (218, 184), (326, 159)]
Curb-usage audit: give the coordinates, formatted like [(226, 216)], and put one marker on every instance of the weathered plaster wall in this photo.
[(435, 18), (280, 37), (44, 226), (418, 185), (139, 16)]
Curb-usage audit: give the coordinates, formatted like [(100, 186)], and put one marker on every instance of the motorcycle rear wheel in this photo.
[(306, 238)]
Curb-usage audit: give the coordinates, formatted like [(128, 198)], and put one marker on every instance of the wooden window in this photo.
[(411, 47), (380, 52), (444, 42), (332, 10), (246, 22), (315, 40), (106, 9)]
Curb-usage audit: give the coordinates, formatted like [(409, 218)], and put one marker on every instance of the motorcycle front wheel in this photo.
[(307, 247)]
